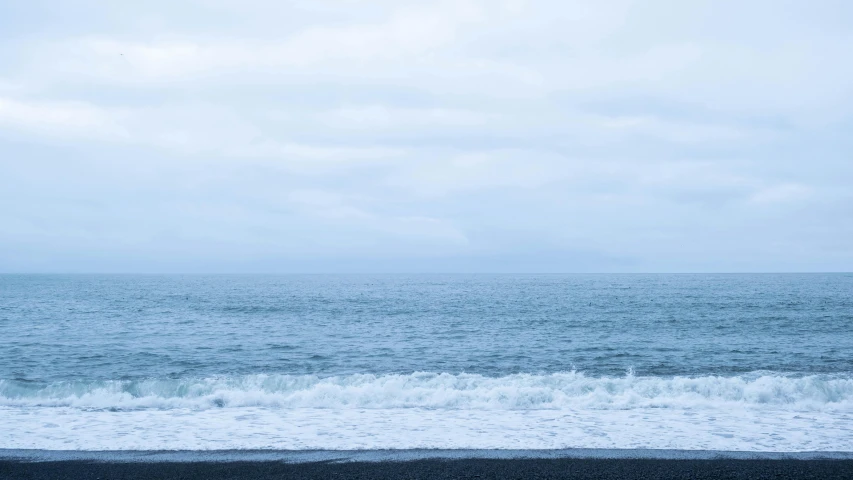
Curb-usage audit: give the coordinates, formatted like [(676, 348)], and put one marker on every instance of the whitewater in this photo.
[(559, 391), (725, 363), (758, 412)]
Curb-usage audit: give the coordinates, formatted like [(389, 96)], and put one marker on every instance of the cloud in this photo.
[(198, 130), (441, 172), (408, 31), (334, 207), (682, 132), (70, 118), (785, 193), (374, 117), (641, 135)]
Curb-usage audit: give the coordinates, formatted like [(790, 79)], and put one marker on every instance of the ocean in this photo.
[(753, 363)]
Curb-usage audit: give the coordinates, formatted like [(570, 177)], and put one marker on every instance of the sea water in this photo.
[(713, 362)]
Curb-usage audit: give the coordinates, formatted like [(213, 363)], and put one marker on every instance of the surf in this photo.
[(462, 391)]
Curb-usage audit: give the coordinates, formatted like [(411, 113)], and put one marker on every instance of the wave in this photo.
[(569, 390)]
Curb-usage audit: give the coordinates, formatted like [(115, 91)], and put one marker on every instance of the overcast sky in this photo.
[(493, 136)]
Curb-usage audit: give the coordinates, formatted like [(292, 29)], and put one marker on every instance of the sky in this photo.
[(426, 136)]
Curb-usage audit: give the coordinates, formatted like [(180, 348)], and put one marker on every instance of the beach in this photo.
[(423, 464), (533, 469)]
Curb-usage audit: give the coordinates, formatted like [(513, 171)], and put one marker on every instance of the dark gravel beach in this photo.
[(599, 469)]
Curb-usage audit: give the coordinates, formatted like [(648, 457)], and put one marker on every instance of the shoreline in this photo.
[(433, 468), (401, 455)]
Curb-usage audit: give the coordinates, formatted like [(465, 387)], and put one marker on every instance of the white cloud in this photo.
[(69, 118), (681, 132), (784, 193), (406, 34), (368, 117), (336, 208), (196, 130), (643, 127), (497, 50), (8, 87), (441, 173)]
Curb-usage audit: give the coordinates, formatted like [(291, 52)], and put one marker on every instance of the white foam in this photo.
[(757, 413), (65, 428), (442, 391)]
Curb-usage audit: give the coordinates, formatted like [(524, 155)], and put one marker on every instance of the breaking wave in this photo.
[(569, 390)]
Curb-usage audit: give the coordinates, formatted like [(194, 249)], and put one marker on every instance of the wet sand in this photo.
[(474, 468)]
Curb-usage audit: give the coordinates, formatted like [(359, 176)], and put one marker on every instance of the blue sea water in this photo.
[(425, 354)]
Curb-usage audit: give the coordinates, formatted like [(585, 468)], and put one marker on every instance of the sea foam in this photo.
[(557, 391), (758, 412)]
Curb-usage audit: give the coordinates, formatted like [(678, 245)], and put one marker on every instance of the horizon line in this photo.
[(786, 272)]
